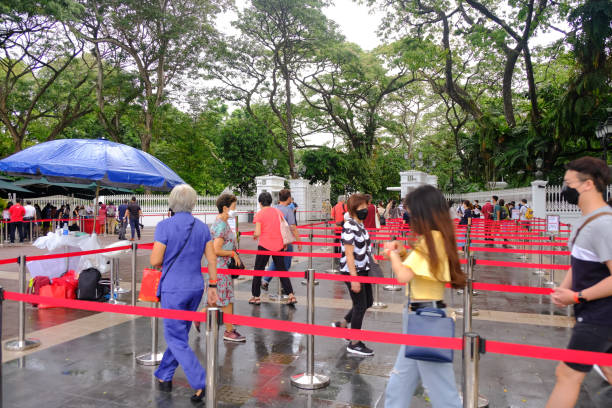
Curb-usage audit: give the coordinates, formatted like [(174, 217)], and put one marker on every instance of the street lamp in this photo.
[(603, 132)]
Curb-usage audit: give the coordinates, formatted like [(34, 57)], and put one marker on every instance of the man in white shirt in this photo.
[(28, 218)]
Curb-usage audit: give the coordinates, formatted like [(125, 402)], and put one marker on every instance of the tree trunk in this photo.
[(533, 96), (511, 56), (145, 139), (289, 125)]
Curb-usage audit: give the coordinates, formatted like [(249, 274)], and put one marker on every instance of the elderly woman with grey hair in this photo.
[(180, 243)]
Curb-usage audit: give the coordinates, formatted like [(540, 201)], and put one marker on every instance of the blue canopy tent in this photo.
[(85, 160)]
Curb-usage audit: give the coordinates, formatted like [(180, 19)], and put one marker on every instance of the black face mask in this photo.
[(362, 214), (570, 194)]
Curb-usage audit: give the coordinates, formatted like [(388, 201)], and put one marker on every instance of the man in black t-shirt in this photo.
[(588, 284), (134, 213)]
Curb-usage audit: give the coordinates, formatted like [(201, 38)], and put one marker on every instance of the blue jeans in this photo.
[(272, 267), (135, 226), (176, 333), (438, 380)]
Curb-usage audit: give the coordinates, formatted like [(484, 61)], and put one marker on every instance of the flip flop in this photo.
[(255, 301)]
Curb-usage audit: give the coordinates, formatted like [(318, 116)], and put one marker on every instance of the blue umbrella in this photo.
[(86, 160)]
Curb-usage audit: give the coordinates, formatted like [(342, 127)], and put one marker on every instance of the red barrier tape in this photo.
[(519, 251), (518, 243), (521, 265), (521, 350), (494, 287), (549, 353), (8, 261)]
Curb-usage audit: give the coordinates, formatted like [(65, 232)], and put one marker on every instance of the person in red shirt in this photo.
[(370, 221), (337, 214), (17, 212), (487, 215)]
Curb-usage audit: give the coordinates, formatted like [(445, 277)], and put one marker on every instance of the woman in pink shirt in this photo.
[(268, 232)]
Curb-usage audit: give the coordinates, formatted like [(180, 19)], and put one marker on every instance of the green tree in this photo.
[(163, 39)]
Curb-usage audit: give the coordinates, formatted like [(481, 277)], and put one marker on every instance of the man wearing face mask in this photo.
[(588, 284)]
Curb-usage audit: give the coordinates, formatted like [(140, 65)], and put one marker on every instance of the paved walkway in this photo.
[(87, 359)]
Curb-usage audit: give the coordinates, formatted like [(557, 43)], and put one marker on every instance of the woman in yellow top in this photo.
[(433, 263)]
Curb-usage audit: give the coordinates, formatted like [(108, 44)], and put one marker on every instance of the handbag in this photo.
[(151, 278), (285, 230), (149, 284), (430, 321), (232, 265)]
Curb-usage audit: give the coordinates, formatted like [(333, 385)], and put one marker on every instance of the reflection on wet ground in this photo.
[(93, 365)]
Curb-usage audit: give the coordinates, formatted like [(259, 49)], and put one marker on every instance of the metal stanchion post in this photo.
[(332, 268), (395, 288), (134, 259), (377, 304), (310, 380), (468, 292), (539, 272), (472, 347), (22, 343), (31, 232), (154, 357), (214, 318), (305, 282), (113, 288)]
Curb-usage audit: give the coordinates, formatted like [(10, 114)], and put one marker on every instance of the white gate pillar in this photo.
[(538, 194)]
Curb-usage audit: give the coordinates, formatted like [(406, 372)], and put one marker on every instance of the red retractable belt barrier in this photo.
[(521, 350), (487, 262)]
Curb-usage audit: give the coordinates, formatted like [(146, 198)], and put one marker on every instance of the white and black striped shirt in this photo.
[(354, 233)]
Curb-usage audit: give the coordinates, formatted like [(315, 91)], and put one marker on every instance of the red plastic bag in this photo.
[(149, 284), (70, 281)]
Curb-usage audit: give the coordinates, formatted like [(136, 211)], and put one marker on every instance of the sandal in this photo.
[(255, 301), (292, 300)]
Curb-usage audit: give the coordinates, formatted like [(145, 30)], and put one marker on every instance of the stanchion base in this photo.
[(115, 302), (121, 291), (539, 273), (475, 312), (378, 305), (483, 402), (310, 382), (392, 288), (149, 359), (17, 345), (305, 282), (332, 271)]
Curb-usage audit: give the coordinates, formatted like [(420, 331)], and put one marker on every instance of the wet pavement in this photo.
[(96, 366)]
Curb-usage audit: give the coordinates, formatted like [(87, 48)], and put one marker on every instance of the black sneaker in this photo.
[(359, 349), (264, 286)]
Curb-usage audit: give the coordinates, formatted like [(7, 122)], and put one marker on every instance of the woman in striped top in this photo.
[(355, 261)]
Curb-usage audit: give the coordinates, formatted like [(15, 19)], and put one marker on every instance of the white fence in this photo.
[(555, 204), (514, 194), (58, 201), (158, 203)]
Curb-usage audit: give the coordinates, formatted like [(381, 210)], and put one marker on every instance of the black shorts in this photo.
[(590, 337)]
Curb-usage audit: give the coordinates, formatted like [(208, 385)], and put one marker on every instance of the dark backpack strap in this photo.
[(594, 217)]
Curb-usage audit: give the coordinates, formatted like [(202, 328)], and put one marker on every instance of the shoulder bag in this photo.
[(151, 278), (285, 230), (430, 321)]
